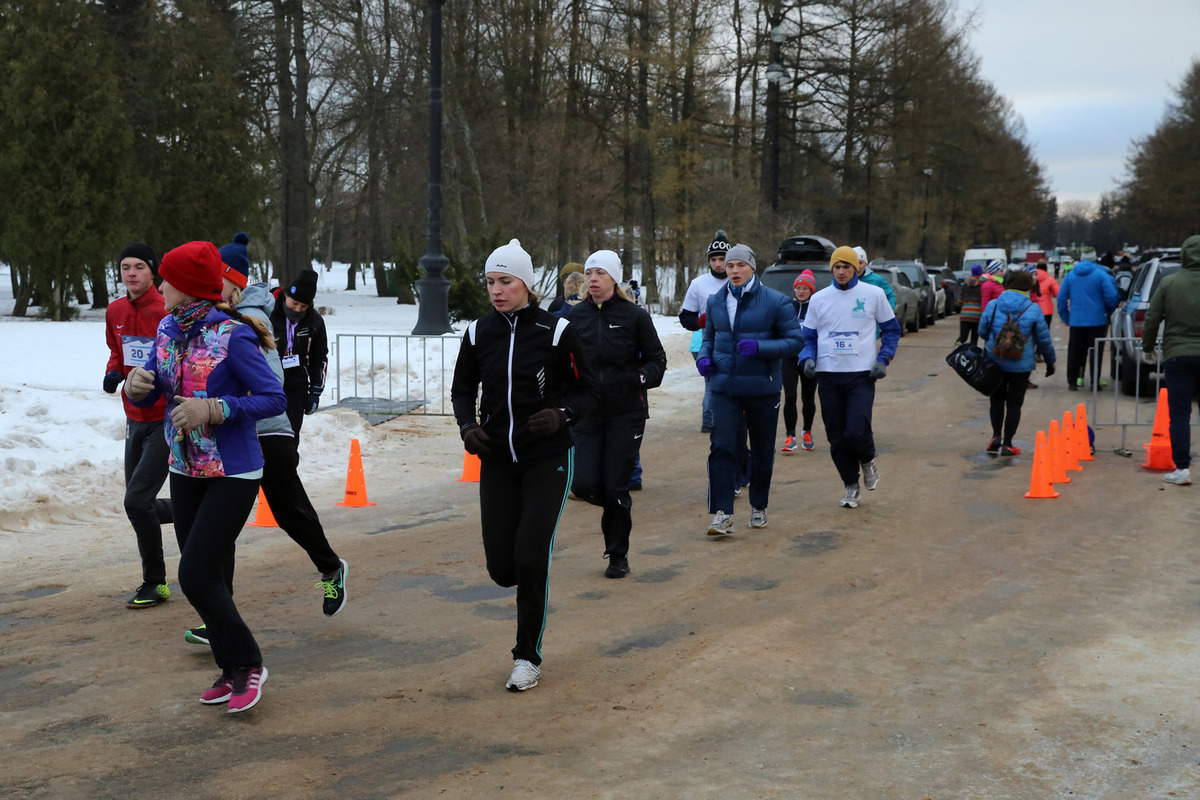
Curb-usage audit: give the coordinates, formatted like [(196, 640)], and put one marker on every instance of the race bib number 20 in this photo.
[(136, 350)]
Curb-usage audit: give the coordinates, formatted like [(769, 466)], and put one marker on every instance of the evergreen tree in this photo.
[(65, 151)]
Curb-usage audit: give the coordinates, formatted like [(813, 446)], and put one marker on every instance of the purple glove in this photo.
[(747, 347), (705, 367)]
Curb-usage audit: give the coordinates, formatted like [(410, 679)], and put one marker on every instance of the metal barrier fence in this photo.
[(385, 375), (1127, 410)]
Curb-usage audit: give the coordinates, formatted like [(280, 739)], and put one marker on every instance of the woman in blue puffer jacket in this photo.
[(1007, 400)]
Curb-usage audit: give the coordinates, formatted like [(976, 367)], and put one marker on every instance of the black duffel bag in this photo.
[(973, 366)]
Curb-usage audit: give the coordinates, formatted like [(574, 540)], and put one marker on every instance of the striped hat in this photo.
[(995, 267)]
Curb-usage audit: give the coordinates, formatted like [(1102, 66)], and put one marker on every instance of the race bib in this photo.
[(290, 361), (843, 347), (136, 350)]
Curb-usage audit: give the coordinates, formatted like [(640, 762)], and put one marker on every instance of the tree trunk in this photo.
[(22, 286), (645, 159), (291, 48), (98, 274)]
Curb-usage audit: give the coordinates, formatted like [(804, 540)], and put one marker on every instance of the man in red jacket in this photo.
[(130, 324)]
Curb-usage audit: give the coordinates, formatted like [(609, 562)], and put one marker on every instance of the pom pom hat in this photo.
[(845, 254), (195, 269), (237, 260), (606, 260), (720, 244), (806, 278), (511, 259)]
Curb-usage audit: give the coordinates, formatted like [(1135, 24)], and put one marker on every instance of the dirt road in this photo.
[(947, 639)]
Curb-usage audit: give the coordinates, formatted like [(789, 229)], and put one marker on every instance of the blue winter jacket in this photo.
[(763, 314), (1087, 296), (1031, 322)]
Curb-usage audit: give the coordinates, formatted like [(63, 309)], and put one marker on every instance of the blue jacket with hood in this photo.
[(1087, 296), (763, 314), (1031, 322)]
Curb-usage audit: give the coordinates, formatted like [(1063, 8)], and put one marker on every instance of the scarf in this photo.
[(188, 314)]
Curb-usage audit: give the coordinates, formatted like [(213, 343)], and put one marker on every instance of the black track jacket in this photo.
[(623, 350), (525, 361)]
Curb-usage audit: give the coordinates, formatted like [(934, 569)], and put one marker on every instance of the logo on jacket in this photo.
[(615, 326), (860, 309)]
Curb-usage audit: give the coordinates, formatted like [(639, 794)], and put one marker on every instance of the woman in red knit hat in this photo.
[(207, 364)]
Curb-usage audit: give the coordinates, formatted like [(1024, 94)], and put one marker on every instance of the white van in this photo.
[(981, 255)]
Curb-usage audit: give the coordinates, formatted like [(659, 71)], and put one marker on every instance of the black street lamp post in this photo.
[(433, 313), (776, 74)]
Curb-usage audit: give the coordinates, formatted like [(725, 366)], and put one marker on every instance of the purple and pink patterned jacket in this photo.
[(219, 357)]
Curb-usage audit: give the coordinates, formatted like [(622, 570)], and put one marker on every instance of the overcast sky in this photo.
[(1087, 77)]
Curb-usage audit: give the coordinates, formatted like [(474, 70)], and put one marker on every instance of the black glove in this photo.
[(810, 368), (1049, 368), (547, 421), (475, 441), (314, 400), (112, 380), (878, 371)]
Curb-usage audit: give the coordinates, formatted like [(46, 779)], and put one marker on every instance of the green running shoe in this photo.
[(149, 594), (197, 635), (335, 590)]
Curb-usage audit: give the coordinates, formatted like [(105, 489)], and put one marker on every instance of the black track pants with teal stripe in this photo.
[(519, 508)]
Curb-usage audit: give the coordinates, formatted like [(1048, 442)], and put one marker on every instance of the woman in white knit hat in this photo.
[(535, 385)]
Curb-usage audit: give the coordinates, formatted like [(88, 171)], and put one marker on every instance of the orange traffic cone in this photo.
[(470, 473), (1070, 442), (1083, 444), (1058, 464), (263, 518), (1039, 478), (356, 484), (1158, 450)]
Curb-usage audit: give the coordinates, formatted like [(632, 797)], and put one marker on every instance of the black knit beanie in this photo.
[(304, 287), (142, 252)]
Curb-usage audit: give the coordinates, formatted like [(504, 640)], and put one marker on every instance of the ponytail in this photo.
[(266, 340)]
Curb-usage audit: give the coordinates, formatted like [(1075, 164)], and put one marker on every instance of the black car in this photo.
[(796, 254), (945, 277)]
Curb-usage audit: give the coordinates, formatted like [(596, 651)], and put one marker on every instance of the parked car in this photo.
[(1129, 321), (945, 277), (918, 278), (908, 304), (796, 254)]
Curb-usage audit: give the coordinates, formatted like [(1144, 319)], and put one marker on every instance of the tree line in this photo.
[(636, 125)]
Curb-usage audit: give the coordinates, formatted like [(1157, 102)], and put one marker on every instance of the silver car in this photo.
[(1128, 319)]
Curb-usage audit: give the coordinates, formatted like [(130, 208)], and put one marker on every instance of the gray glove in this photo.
[(192, 412), (810, 368), (1149, 357), (878, 370), (138, 383)]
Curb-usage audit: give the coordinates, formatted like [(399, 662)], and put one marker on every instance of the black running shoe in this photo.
[(197, 635), (617, 567), (149, 594), (335, 590)]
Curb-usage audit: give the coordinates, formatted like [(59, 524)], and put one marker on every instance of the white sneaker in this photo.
[(870, 474), (721, 525), (1180, 477), (853, 495), (524, 676), (758, 518)]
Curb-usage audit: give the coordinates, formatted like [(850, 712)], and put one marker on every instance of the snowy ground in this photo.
[(62, 437)]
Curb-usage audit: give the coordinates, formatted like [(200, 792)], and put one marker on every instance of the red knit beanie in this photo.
[(194, 269)]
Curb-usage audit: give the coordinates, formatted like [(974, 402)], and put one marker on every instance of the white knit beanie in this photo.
[(862, 254), (511, 259), (606, 260)]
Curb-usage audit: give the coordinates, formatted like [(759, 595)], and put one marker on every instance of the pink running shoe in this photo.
[(247, 689), (220, 691)]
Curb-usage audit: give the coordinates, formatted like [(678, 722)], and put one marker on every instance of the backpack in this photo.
[(1010, 342)]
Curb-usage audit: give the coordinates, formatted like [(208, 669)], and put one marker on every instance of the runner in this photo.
[(803, 287), (535, 383), (303, 347), (750, 329), (627, 358), (692, 312), (840, 351), (130, 323), (207, 363)]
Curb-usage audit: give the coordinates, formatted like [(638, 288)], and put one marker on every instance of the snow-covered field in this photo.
[(62, 437)]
